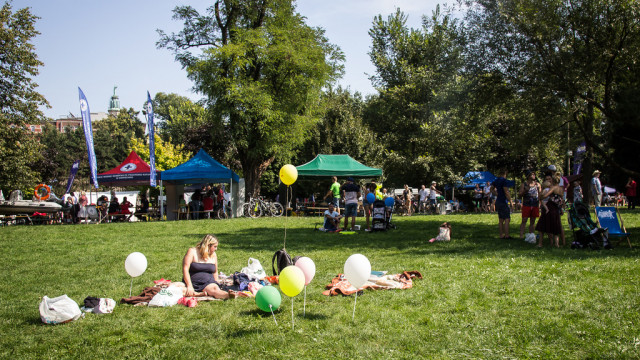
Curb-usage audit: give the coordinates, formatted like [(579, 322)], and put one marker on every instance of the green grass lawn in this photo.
[(481, 297)]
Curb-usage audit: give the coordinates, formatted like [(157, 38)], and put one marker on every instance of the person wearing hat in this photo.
[(350, 194), (596, 188), (433, 195)]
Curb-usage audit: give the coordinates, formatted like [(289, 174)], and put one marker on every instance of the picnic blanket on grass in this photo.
[(340, 286)]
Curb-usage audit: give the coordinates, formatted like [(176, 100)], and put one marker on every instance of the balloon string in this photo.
[(304, 308), (292, 325), (286, 210), (272, 314), (353, 317), (130, 287)]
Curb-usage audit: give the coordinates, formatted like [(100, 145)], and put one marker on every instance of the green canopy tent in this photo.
[(337, 165)]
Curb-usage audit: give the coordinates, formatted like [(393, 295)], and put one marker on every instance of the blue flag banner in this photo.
[(152, 141), (578, 157), (72, 175), (88, 137)]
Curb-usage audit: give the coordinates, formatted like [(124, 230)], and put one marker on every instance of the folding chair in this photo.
[(608, 217)]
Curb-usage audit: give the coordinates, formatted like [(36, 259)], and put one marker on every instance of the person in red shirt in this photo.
[(125, 205), (207, 202), (631, 194)]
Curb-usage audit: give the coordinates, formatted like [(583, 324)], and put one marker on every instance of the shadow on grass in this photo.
[(468, 239)]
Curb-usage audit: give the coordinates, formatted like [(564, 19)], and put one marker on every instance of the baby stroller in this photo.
[(588, 235), (381, 215)]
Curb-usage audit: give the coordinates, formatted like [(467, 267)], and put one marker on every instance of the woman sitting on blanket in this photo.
[(200, 270)]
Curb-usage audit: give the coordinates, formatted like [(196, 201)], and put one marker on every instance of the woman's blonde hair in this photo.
[(203, 246)]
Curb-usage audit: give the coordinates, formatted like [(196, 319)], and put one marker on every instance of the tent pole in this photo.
[(230, 196), (161, 203)]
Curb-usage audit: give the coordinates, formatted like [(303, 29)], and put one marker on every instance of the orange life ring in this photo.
[(45, 196)]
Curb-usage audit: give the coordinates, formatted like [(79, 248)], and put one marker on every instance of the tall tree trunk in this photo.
[(588, 161), (253, 170)]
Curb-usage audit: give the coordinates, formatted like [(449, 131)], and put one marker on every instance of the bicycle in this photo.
[(259, 207)]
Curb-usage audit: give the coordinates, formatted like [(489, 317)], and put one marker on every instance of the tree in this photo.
[(168, 156), (422, 113), (262, 70), (19, 101), (343, 131), (579, 52)]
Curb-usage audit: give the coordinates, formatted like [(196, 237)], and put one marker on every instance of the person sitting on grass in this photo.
[(331, 218), (444, 234), (200, 270)]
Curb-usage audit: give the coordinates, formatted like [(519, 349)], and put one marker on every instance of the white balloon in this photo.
[(135, 264), (357, 270)]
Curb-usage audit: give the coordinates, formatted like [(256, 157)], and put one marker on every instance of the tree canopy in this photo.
[(262, 71), (19, 100)]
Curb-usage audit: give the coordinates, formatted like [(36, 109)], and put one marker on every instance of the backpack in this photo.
[(282, 259)]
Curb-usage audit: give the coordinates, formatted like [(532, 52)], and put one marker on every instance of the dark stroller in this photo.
[(588, 235), (381, 215)]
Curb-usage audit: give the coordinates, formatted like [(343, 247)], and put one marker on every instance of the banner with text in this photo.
[(88, 137)]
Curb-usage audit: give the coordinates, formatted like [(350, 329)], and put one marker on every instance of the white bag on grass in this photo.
[(59, 310), (166, 297), (254, 269)]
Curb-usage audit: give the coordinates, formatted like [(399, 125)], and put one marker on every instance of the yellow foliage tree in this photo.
[(168, 156)]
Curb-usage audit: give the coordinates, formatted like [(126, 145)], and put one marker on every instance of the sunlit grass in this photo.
[(481, 297)]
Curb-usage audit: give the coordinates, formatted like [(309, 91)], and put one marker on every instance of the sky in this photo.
[(96, 45)]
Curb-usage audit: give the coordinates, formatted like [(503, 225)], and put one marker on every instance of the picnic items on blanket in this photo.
[(168, 296), (188, 302), (254, 269), (340, 286), (59, 310), (147, 294), (98, 305), (162, 281)]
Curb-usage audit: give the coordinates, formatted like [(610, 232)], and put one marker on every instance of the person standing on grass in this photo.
[(550, 222), (596, 188), (350, 194), (423, 192), (503, 198), (630, 193), (369, 189), (334, 192), (433, 197), (530, 192)]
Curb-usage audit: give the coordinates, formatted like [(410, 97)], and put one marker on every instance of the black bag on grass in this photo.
[(282, 259)]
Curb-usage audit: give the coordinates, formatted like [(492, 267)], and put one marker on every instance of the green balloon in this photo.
[(268, 298)]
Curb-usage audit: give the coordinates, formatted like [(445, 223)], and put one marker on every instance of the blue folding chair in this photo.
[(609, 217)]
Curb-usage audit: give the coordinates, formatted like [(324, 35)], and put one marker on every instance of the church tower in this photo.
[(114, 104)]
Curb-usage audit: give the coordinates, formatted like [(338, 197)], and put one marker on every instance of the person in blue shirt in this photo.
[(503, 198)]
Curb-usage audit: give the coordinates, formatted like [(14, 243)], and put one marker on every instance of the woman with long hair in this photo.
[(200, 270)]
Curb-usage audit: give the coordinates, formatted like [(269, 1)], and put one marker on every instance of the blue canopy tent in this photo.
[(201, 168), (477, 177)]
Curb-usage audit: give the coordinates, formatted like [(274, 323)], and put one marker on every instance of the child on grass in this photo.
[(445, 233)]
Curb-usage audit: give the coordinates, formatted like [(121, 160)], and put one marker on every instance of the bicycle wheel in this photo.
[(276, 209), (254, 209), (222, 214)]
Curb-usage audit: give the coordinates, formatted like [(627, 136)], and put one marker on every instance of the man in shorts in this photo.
[(503, 198), (350, 194), (334, 192)]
